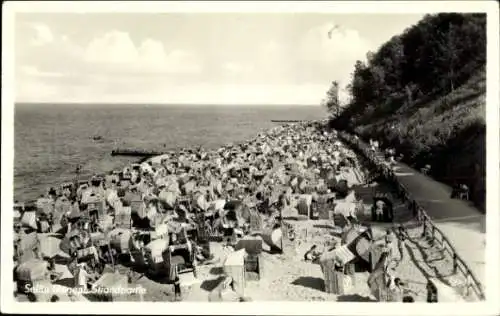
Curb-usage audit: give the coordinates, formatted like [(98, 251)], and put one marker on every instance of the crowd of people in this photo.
[(181, 200)]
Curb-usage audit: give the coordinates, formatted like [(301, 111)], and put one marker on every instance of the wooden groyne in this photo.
[(135, 152), (287, 121)]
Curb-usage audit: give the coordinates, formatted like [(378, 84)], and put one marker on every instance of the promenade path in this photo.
[(462, 223)]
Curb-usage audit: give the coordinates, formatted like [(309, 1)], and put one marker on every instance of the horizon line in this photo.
[(154, 103)]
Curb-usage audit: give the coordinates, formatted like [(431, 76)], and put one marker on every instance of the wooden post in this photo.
[(282, 230), (468, 284), (111, 254), (455, 263), (424, 231), (334, 280), (141, 295)]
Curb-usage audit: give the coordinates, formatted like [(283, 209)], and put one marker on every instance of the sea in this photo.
[(51, 140)]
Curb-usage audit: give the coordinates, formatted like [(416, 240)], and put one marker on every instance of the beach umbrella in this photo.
[(45, 208), (207, 174), (342, 187), (232, 204), (304, 204), (217, 205), (42, 202), (358, 240), (173, 186), (181, 209), (50, 246), (27, 242), (156, 248), (28, 219), (161, 182), (201, 202), (302, 185), (239, 190), (119, 239), (168, 197), (216, 186), (282, 178), (202, 189), (289, 212), (161, 231), (346, 208), (204, 156), (17, 215), (189, 187), (229, 187), (32, 270)]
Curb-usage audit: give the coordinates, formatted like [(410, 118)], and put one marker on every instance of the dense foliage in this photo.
[(331, 102), (423, 93)]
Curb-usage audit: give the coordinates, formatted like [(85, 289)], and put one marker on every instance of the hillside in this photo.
[(448, 133), (424, 93)]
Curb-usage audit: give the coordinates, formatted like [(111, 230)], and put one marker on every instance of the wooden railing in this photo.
[(430, 230)]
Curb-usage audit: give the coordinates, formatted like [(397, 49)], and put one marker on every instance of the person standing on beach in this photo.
[(402, 236), (82, 276), (174, 271), (177, 286), (389, 243)]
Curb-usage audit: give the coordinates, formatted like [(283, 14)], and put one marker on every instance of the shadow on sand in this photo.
[(310, 282), (209, 285), (323, 226), (217, 271), (425, 261), (354, 298)]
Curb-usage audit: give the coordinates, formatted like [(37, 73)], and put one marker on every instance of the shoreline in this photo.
[(141, 160)]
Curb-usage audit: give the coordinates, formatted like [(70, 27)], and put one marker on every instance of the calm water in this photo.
[(51, 140)]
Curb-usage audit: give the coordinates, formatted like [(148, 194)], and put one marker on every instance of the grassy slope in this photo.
[(449, 133)]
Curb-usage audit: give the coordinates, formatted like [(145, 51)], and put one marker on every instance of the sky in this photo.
[(196, 58)]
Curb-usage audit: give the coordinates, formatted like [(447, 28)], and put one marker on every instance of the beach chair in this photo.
[(388, 211), (137, 206), (378, 280), (86, 254), (67, 188), (154, 257), (181, 256), (27, 247), (28, 273), (123, 217), (288, 238), (97, 207)]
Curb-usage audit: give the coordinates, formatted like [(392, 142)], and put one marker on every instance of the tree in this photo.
[(429, 59), (332, 102)]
